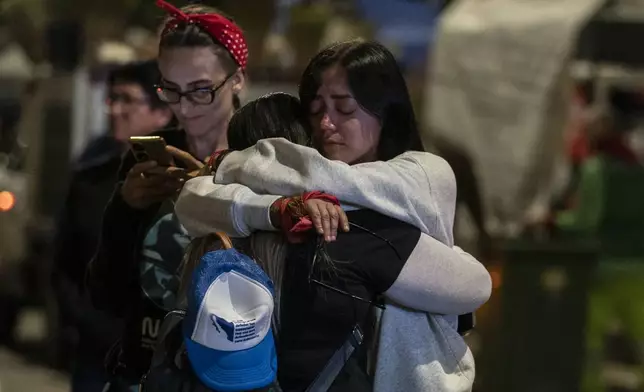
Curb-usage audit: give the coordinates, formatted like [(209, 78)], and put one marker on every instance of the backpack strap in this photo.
[(334, 366), (170, 322), (372, 338), (226, 242)]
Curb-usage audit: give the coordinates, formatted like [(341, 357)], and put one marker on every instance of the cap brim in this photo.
[(252, 368)]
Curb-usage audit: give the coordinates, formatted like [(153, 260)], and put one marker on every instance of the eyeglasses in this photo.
[(320, 245), (198, 96)]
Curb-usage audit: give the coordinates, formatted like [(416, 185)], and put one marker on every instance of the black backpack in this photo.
[(170, 369)]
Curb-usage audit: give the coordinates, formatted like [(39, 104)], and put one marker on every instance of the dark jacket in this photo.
[(113, 278), (75, 243)]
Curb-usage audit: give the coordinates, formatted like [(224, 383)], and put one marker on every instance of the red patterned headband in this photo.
[(221, 29)]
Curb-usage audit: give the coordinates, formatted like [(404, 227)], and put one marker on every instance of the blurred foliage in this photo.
[(109, 20), (308, 24), (25, 21), (28, 19), (116, 10)]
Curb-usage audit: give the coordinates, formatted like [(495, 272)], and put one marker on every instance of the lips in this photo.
[(332, 141), (192, 118)]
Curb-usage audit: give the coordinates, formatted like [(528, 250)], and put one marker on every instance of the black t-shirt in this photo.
[(316, 321)]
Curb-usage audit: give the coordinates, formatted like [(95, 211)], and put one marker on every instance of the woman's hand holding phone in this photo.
[(147, 183), (141, 188), (192, 165)]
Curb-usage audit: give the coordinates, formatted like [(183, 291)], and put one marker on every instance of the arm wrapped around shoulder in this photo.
[(204, 207), (439, 279)]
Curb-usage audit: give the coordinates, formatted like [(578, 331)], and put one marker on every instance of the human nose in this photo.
[(326, 123), (115, 108), (185, 106)]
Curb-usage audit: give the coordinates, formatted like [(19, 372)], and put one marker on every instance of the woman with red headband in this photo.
[(202, 57)]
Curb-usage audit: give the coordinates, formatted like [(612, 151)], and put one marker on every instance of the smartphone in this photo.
[(150, 148)]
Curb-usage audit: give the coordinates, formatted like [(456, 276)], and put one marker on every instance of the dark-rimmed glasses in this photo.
[(198, 96)]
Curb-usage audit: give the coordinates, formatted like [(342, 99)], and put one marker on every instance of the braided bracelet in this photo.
[(215, 160)]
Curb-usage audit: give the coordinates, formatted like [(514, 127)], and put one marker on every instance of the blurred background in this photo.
[(537, 105)]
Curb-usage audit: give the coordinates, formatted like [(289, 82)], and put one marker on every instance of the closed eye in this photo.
[(346, 111), (316, 107), (346, 106)]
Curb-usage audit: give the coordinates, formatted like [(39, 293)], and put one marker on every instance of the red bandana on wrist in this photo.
[(294, 223), (221, 29)]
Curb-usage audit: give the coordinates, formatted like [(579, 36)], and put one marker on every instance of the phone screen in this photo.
[(151, 148), (140, 154)]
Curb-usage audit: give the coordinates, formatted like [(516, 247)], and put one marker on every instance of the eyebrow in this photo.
[(196, 82), (337, 96)]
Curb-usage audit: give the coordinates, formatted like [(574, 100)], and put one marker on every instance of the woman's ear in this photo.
[(239, 81)]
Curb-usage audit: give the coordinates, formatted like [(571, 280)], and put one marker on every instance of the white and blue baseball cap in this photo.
[(227, 328)]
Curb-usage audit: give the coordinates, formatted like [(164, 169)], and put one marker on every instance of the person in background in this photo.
[(608, 152), (134, 110), (606, 209), (597, 131)]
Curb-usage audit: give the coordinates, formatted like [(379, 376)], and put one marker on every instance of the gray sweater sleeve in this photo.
[(417, 187), (441, 280), (204, 207), (410, 187)]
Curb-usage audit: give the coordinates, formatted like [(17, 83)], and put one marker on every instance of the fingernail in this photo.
[(332, 238), (320, 230), (346, 227), (328, 238)]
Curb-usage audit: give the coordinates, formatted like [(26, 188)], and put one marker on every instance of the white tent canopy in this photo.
[(498, 88)]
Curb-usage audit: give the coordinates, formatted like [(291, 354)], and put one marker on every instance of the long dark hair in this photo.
[(377, 85), (190, 35), (272, 115)]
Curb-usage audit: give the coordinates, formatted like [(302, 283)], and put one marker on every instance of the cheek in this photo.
[(223, 103), (360, 136), (188, 109), (316, 129), (142, 119), (370, 131), (174, 107)]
